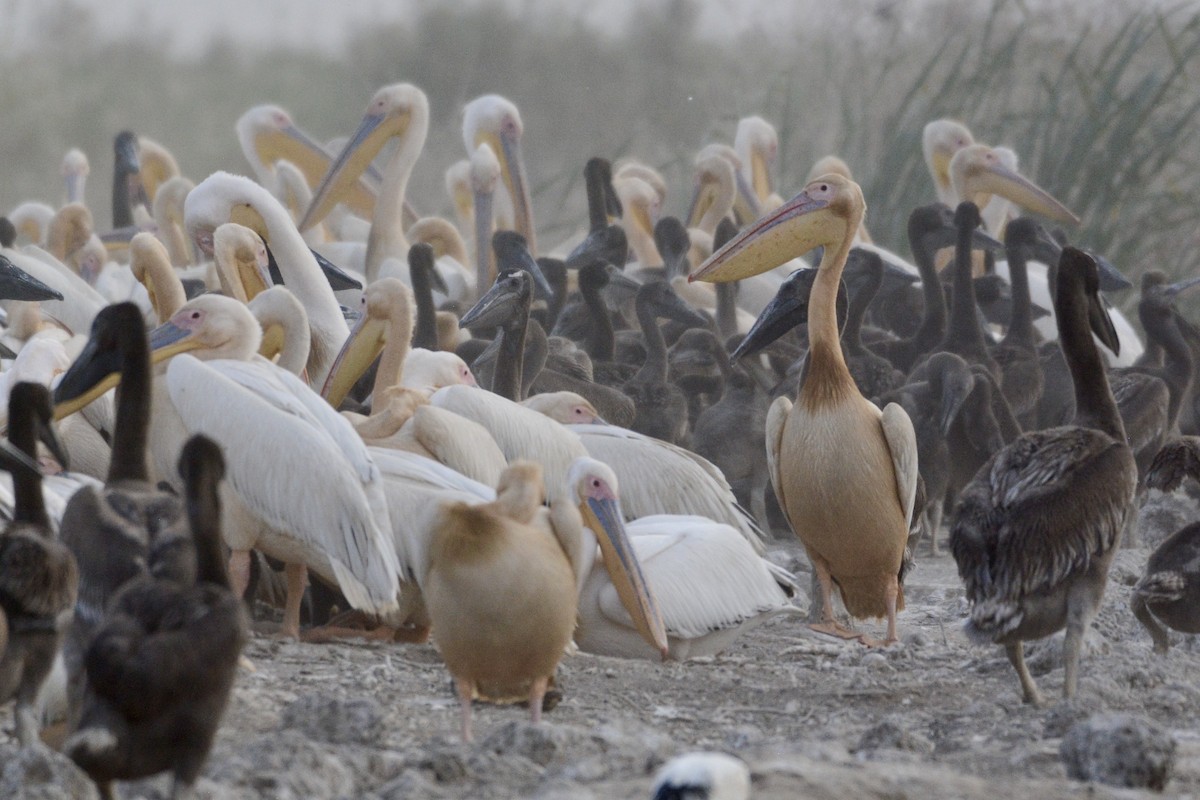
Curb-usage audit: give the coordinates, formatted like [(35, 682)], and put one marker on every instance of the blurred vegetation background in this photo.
[(1100, 101)]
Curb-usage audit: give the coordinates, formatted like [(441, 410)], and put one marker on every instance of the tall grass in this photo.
[(1103, 113)]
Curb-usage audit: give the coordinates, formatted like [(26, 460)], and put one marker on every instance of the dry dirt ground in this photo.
[(932, 717)]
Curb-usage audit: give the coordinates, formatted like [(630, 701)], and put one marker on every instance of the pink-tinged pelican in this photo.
[(845, 472), (495, 121), (757, 145), (399, 111), (502, 581)]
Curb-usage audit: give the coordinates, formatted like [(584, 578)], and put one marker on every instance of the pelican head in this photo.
[(17, 284), (242, 261), (494, 120), (397, 111), (940, 140), (978, 171), (388, 309), (787, 309), (592, 487), (268, 134), (219, 326), (117, 335), (566, 408), (1078, 275), (75, 169), (758, 145), (825, 214)]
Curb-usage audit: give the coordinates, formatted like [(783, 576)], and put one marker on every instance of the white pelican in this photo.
[(267, 134), (168, 217), (157, 166), (333, 520), (399, 111), (757, 145), (940, 140), (75, 170), (222, 198), (845, 472), (31, 220), (495, 121), (484, 175)]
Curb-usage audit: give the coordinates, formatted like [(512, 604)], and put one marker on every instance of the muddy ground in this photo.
[(932, 717)]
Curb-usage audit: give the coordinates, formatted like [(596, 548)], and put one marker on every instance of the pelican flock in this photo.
[(530, 452)]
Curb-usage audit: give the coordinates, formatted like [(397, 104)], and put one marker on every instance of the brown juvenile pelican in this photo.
[(1169, 592), (852, 511), (1016, 354), (1035, 532), (161, 667), (38, 575)]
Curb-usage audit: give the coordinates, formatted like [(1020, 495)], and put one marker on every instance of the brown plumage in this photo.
[(38, 576), (1169, 593), (161, 667), (1034, 533), (501, 592)]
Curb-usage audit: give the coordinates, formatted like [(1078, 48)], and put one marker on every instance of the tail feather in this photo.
[(1162, 587), (991, 620)]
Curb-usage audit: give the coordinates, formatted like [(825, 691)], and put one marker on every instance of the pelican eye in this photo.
[(195, 315)]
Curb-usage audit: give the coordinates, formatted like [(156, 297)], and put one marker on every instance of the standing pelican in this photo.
[(495, 121), (845, 473), (400, 111), (1035, 532), (502, 581)]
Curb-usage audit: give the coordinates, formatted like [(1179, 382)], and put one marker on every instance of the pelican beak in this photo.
[(760, 176), (786, 310), (498, 304), (94, 372), (703, 197), (169, 340), (17, 284), (1111, 278), (603, 516), (1098, 319), (982, 240), (1176, 289), (373, 133), (362, 347), (292, 144), (512, 257), (507, 147), (941, 166), (6, 351), (745, 201), (15, 462), (988, 178), (338, 278), (272, 342), (956, 388), (797, 226), (484, 229), (49, 437)]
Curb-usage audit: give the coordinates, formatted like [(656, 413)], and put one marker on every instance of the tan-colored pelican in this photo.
[(399, 111), (977, 172), (495, 121), (845, 472), (168, 216), (502, 581), (151, 265)]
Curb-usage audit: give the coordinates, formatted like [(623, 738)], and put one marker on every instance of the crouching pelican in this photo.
[(502, 580), (845, 472)]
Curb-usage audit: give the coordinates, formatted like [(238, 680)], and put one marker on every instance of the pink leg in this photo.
[(297, 578), (466, 690), (828, 623), (537, 690), (239, 571)]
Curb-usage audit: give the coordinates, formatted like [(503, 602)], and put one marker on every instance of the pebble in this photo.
[(1119, 750)]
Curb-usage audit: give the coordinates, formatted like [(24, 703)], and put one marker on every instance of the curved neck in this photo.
[(852, 334), (964, 335), (386, 239), (128, 461), (727, 308), (169, 295), (122, 204), (594, 179), (654, 369), (933, 323), (425, 333), (1094, 403), (510, 361), (204, 518), (1020, 324), (29, 504), (641, 242), (1178, 369), (601, 344), (827, 379), (485, 256)]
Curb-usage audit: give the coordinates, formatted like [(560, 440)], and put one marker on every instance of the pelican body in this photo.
[(844, 471)]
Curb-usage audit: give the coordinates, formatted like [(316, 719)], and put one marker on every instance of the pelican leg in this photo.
[(1072, 644), (537, 690), (297, 578), (466, 691), (1142, 611), (27, 721), (933, 521), (1016, 657), (828, 623), (239, 572)]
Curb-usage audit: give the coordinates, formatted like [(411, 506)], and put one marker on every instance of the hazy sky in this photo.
[(189, 27)]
